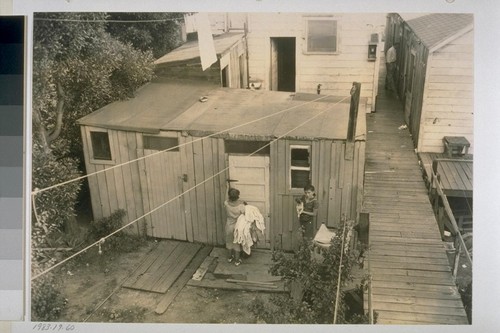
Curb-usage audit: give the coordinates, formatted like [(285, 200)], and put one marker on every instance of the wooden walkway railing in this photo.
[(411, 277)]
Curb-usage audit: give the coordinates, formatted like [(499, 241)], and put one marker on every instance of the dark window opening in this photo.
[(247, 147), (300, 166), (100, 146), (300, 157), (300, 178), (160, 143)]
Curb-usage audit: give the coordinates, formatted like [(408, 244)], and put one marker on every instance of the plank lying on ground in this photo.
[(202, 270), (182, 280), (222, 284), (257, 283)]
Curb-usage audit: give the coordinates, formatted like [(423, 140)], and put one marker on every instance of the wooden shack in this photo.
[(435, 76), (230, 70), (192, 149)]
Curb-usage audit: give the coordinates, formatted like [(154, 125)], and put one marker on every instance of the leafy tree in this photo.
[(78, 67), (312, 278), (156, 32)]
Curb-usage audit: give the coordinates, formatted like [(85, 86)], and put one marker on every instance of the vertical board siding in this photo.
[(208, 186), (198, 215), (201, 222), (190, 212), (119, 183), (125, 173), (95, 198), (221, 189)]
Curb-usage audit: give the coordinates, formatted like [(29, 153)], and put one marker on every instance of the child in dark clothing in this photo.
[(307, 207)]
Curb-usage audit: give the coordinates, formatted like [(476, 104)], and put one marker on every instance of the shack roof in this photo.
[(433, 29), (175, 105), (190, 50)]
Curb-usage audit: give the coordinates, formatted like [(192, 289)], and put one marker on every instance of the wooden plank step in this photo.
[(451, 294), (414, 279), (168, 277), (420, 301), (153, 259), (411, 265), (459, 319), (401, 259), (176, 288), (416, 287), (409, 272), (395, 249), (420, 309)]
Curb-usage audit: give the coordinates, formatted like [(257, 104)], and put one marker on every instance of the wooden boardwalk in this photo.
[(411, 277)]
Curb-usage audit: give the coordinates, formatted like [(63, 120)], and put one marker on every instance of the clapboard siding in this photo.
[(442, 96), (335, 72), (448, 105)]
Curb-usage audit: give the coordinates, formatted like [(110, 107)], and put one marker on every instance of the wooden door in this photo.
[(273, 85), (163, 189), (251, 175)]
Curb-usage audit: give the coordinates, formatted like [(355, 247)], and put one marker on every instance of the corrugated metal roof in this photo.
[(175, 105), (433, 29), (190, 49)]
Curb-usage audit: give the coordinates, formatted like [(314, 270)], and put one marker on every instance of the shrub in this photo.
[(312, 280), (47, 301), (121, 241)]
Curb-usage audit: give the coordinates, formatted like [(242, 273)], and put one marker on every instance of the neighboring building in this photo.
[(298, 52), (230, 70), (186, 186), (301, 52), (435, 76)]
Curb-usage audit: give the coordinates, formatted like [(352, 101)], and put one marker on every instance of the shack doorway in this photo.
[(250, 175), (283, 64)]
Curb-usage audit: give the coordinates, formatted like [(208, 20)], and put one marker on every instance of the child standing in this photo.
[(308, 212), (234, 208)]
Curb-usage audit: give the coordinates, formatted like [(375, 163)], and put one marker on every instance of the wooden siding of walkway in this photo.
[(412, 281)]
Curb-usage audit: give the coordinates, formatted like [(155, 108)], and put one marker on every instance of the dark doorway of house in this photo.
[(283, 63)]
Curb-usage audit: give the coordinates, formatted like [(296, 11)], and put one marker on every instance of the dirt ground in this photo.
[(91, 286)]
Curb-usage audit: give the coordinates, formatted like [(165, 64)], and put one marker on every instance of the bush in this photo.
[(312, 280), (121, 241), (47, 302)]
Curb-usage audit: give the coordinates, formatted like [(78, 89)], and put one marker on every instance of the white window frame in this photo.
[(291, 167), (322, 18), (91, 148)]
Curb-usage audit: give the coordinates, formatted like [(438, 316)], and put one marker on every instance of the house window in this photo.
[(322, 36), (160, 143), (300, 166), (101, 149)]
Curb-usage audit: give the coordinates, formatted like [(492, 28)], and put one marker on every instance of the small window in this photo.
[(300, 166), (101, 149), (322, 36), (160, 143)]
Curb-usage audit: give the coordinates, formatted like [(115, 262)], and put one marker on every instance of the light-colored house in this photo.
[(435, 76), (307, 52)]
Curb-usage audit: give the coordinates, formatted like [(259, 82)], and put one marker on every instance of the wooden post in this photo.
[(353, 117)]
